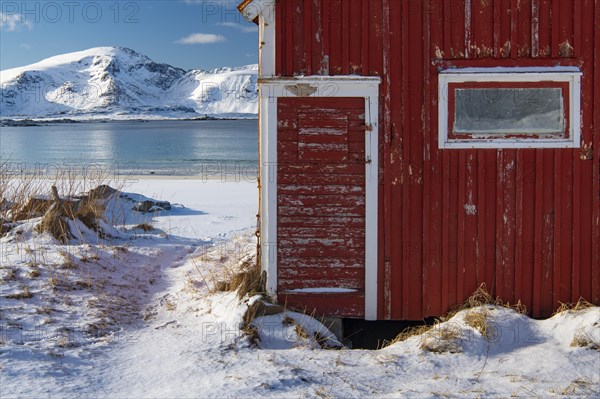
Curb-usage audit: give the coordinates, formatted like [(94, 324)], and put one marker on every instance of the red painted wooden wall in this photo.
[(536, 233)]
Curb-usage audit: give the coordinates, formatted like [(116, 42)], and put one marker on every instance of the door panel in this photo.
[(321, 204)]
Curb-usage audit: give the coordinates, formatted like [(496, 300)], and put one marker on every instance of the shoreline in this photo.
[(119, 179), (224, 179), (35, 122)]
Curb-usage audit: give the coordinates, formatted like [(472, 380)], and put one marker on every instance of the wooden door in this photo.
[(321, 204)]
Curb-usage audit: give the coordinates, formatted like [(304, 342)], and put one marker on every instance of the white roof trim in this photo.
[(256, 8), (319, 78), (553, 69)]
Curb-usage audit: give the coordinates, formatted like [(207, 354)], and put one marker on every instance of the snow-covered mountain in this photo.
[(116, 82)]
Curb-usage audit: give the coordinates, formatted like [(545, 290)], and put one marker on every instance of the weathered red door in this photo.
[(321, 204)]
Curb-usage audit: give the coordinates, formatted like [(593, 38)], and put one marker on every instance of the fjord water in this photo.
[(209, 148)]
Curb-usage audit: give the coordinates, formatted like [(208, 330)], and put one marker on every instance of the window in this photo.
[(509, 108)]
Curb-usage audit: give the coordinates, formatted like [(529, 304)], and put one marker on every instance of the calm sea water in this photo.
[(201, 148)]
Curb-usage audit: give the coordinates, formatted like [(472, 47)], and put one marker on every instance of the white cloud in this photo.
[(201, 38), (12, 22), (243, 28)]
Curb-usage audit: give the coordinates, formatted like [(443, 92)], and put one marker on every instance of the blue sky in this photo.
[(190, 34)]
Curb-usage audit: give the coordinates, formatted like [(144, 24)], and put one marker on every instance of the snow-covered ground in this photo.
[(136, 315)]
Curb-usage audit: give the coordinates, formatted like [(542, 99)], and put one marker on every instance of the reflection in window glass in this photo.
[(509, 111)]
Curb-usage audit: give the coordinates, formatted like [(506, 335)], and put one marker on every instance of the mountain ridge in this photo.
[(120, 83)]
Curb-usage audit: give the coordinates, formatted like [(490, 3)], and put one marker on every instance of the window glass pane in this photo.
[(509, 111)]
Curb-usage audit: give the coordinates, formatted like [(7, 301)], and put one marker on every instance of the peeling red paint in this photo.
[(321, 201)]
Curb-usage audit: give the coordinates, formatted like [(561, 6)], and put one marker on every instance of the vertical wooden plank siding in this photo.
[(524, 28), (544, 42), (435, 230), (392, 163), (384, 155), (586, 176), (526, 222), (414, 86), (595, 104), (321, 204), (527, 219)]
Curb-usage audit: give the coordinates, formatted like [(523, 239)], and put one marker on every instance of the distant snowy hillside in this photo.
[(116, 82)]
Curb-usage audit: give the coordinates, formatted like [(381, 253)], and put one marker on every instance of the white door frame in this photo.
[(325, 87)]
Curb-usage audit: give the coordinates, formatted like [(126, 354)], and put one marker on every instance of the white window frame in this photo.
[(570, 75), (271, 89)]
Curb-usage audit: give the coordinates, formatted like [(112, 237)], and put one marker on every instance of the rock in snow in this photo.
[(116, 82), (151, 206)]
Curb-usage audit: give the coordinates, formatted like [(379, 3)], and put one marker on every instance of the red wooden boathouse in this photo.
[(411, 150)]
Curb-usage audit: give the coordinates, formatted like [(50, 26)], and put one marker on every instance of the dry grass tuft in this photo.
[(35, 272), (581, 304), (54, 223), (68, 263), (257, 309), (480, 298), (24, 195), (9, 275), (478, 319), (19, 195), (89, 211), (250, 314), (87, 284), (442, 339), (119, 249), (252, 333), (585, 340), (262, 308), (221, 286), (407, 333), (301, 332), (249, 281), (43, 310), (323, 341), (146, 227), (34, 207), (5, 226), (580, 387), (24, 294), (324, 393), (435, 338), (53, 281), (65, 342), (90, 258)]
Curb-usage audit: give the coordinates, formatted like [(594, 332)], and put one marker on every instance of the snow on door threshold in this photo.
[(321, 290)]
